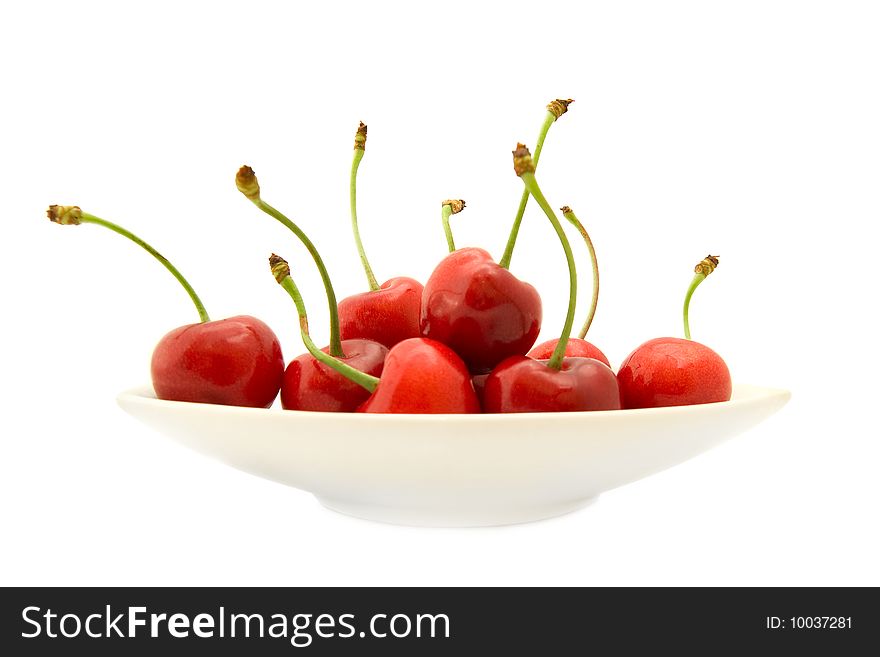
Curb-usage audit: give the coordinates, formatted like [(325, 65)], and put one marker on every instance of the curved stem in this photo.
[(569, 214), (446, 213), (698, 278), (531, 185), (92, 219), (450, 207), (704, 267), (362, 379), (335, 341), (355, 163), (524, 199)]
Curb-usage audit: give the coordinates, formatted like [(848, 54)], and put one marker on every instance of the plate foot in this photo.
[(453, 517)]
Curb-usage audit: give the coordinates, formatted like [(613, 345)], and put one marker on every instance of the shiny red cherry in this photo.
[(524, 385), (388, 315), (423, 376), (575, 347), (235, 361), (309, 385), (480, 309), (673, 372)]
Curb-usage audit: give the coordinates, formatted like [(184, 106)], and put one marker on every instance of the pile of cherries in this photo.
[(462, 343)]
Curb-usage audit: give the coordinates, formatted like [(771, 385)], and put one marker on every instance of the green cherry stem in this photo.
[(573, 220), (450, 207), (247, 183), (554, 110), (705, 267), (72, 215), (281, 272), (524, 166), (360, 144)]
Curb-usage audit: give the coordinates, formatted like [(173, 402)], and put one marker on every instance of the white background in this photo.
[(748, 129)]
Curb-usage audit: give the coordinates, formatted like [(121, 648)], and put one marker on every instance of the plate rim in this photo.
[(144, 395)]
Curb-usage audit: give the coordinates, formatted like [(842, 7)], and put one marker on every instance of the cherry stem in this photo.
[(72, 215), (525, 169), (246, 181), (360, 142), (524, 199), (281, 271), (450, 207), (554, 110), (705, 267), (569, 214)]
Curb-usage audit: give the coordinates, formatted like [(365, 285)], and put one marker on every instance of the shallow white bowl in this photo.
[(454, 470)]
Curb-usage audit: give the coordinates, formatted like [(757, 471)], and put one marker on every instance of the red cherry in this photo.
[(387, 315), (309, 385), (480, 309), (673, 372), (575, 347), (235, 361), (423, 376), (524, 385)]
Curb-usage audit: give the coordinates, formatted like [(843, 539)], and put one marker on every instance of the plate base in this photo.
[(464, 517)]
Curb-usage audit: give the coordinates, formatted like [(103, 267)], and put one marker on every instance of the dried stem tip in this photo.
[(360, 137), (707, 265), (66, 215), (565, 209), (246, 181), (559, 107), (280, 268), (522, 160), (456, 204)]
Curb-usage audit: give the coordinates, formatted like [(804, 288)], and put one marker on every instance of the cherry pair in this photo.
[(492, 319)]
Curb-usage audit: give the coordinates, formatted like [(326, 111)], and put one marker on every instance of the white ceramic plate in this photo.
[(454, 470)]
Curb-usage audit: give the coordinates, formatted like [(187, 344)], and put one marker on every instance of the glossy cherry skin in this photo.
[(387, 316), (309, 385), (575, 347), (423, 376), (673, 372), (480, 309), (524, 385), (235, 361)]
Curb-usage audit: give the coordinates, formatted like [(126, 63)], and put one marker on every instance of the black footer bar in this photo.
[(437, 621)]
